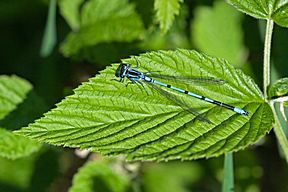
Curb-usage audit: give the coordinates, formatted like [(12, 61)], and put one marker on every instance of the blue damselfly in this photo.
[(135, 76)]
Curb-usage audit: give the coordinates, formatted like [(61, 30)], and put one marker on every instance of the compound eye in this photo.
[(118, 72), (121, 70)]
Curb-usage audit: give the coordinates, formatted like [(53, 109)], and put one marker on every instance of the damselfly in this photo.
[(135, 76)]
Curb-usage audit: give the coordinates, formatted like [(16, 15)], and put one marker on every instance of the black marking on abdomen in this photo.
[(169, 86), (228, 106), (224, 105), (218, 103), (186, 92)]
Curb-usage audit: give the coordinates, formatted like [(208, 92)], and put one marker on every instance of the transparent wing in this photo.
[(179, 102), (188, 80)]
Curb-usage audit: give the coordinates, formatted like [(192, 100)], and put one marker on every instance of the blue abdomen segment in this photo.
[(235, 109), (241, 111), (194, 95), (177, 89), (137, 76)]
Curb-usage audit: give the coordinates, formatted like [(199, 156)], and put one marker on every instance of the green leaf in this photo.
[(107, 116), (15, 146), (98, 176), (285, 114), (175, 37), (104, 21), (279, 88), (70, 10), (13, 91), (17, 173), (280, 130), (50, 36), (282, 117), (263, 9), (166, 10), (24, 113), (216, 34)]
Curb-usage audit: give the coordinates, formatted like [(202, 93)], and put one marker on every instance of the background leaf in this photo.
[(17, 173), (104, 22), (166, 10), (279, 88), (70, 10), (216, 34), (14, 146), (282, 117), (105, 115), (98, 176), (31, 108), (13, 91), (175, 37), (263, 9)]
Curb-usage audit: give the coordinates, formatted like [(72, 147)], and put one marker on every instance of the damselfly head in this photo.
[(121, 70)]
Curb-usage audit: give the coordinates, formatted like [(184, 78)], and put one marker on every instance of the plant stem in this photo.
[(278, 129), (267, 52), (228, 182)]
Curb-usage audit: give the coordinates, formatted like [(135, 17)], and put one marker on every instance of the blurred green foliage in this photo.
[(258, 168), (223, 34), (279, 88), (99, 176)]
